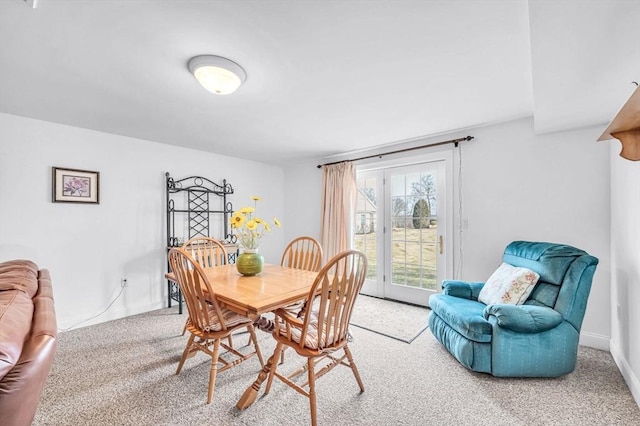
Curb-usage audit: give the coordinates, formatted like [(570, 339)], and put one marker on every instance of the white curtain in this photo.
[(338, 207)]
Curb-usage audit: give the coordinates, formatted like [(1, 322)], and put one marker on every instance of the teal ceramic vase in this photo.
[(250, 263)]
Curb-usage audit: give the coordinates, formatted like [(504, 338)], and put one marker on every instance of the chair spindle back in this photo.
[(337, 286), (303, 253), (197, 291), (207, 251)]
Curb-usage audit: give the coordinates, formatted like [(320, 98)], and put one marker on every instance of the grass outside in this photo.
[(413, 259)]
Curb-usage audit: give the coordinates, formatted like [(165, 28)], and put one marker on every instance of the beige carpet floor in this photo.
[(399, 321), (123, 373)]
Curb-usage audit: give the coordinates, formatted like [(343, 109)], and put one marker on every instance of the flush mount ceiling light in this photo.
[(217, 74)]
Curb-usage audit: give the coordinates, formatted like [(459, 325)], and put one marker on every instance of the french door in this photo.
[(401, 224)]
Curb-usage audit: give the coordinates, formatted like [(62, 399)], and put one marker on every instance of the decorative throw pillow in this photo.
[(508, 284)]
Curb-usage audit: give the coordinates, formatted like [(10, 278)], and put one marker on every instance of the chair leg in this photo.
[(312, 391), (184, 329), (352, 364), (274, 366), (214, 369), (185, 353), (230, 340)]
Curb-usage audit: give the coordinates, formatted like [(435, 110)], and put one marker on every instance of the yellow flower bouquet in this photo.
[(249, 228)]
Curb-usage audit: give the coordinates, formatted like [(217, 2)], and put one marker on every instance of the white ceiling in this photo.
[(324, 77)]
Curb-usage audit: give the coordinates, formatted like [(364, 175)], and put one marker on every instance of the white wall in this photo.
[(303, 189), (625, 267), (88, 248), (518, 185), (555, 188)]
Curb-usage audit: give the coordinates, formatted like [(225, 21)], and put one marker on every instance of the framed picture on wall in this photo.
[(75, 186)]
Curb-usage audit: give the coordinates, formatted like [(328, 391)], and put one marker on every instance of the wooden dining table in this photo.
[(275, 287)]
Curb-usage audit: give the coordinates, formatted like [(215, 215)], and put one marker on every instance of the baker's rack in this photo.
[(192, 205)]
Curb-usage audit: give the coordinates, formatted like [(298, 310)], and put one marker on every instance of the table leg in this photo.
[(249, 396)]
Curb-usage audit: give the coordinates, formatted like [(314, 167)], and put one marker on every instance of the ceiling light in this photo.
[(217, 74)]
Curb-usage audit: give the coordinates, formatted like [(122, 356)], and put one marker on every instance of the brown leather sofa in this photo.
[(28, 331)]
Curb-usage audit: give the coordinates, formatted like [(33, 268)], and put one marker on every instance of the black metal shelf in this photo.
[(200, 194)]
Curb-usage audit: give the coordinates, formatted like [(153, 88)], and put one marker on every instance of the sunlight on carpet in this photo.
[(396, 320)]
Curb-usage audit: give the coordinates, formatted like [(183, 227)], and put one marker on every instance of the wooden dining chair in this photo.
[(303, 253), (209, 253), (208, 322), (324, 330)]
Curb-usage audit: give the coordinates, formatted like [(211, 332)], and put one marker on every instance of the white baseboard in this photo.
[(109, 315), (625, 369), (596, 341)]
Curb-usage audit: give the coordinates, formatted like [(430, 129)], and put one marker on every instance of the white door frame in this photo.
[(446, 211)]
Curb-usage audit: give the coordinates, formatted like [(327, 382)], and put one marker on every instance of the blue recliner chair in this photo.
[(536, 339)]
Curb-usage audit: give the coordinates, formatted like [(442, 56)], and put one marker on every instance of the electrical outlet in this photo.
[(123, 282)]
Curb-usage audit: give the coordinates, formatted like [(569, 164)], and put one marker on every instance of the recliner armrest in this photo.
[(523, 318), (462, 289)]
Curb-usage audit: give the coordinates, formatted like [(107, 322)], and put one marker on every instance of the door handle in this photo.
[(441, 244)]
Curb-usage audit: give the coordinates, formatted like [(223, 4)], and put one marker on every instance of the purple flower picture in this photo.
[(76, 186)]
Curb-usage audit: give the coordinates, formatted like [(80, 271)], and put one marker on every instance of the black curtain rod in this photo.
[(454, 141)]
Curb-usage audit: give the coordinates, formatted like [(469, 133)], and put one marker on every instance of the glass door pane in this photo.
[(399, 224), (414, 223), (366, 228)]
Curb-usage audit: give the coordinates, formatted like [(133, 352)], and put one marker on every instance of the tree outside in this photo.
[(421, 214)]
